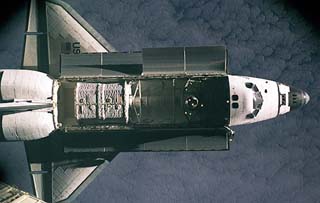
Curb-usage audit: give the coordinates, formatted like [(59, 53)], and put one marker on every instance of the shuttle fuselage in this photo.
[(143, 93), (78, 102)]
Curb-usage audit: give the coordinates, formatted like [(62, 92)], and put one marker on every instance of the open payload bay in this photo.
[(144, 103)]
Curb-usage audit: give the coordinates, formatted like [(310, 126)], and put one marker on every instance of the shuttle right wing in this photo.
[(54, 28)]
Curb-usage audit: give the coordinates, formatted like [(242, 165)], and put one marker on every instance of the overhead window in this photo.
[(257, 100), (235, 105), (235, 97)]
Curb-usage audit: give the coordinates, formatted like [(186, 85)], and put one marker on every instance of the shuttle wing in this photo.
[(54, 28), (58, 180), (55, 184)]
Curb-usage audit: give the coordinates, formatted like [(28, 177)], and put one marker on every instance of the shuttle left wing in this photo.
[(57, 179)]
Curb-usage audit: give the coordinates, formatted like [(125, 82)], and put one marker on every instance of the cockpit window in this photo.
[(252, 86), (257, 100), (250, 115), (249, 85), (253, 114), (255, 88)]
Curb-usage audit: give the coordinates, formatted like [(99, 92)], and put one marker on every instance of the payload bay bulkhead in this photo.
[(158, 93)]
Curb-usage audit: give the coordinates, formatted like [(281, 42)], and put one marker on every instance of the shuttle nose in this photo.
[(297, 98)]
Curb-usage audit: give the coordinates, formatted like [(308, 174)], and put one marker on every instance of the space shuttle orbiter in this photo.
[(77, 102)]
